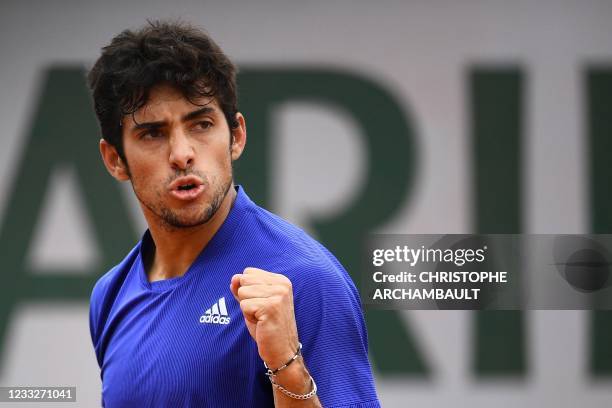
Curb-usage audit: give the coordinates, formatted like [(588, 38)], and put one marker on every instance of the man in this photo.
[(221, 303)]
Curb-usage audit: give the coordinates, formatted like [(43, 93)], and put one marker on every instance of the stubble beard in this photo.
[(173, 220)]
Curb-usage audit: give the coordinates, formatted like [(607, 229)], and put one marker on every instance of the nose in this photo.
[(181, 151)]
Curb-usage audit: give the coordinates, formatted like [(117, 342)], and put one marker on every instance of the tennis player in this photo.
[(221, 303)]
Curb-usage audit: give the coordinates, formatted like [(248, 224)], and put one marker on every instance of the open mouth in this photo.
[(186, 188)]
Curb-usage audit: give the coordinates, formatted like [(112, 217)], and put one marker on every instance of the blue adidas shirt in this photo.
[(182, 342)]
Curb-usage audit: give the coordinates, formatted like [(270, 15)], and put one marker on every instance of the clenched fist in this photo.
[(266, 301)]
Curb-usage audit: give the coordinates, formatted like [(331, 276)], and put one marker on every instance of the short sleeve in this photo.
[(332, 331), (98, 310), (94, 316)]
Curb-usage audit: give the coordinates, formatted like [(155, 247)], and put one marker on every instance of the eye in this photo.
[(151, 134), (203, 125)]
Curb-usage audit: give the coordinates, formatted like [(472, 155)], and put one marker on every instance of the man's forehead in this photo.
[(165, 102)]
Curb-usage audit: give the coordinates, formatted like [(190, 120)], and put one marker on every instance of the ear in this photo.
[(239, 137), (113, 162)]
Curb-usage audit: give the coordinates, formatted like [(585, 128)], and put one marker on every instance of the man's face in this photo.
[(179, 157)]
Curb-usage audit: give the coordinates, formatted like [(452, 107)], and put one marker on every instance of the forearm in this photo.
[(294, 378), (266, 301)]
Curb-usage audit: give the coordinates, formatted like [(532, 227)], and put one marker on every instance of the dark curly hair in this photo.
[(173, 53)]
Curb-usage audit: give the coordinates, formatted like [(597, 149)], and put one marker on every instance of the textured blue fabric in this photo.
[(156, 347)]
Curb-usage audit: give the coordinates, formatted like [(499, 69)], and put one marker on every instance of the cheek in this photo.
[(144, 175), (143, 163), (224, 165), (218, 160)]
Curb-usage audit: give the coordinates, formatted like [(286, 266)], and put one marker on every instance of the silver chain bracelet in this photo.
[(272, 373), (293, 395)]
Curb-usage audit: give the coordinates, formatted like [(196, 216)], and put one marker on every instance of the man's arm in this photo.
[(266, 301)]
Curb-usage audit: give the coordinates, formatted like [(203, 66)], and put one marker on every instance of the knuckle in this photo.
[(276, 301)]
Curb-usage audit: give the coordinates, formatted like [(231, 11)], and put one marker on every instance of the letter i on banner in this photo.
[(599, 100), (497, 119)]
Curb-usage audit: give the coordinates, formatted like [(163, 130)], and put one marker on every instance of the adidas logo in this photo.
[(217, 314)]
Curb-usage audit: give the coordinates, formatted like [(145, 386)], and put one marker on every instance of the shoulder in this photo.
[(109, 284), (270, 240), (292, 249), (315, 273)]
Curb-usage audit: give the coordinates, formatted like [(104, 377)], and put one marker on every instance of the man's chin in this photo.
[(183, 221), (194, 215)]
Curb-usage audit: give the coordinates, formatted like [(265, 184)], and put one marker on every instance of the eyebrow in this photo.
[(189, 116), (197, 113)]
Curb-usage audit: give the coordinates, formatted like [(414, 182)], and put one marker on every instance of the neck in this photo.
[(177, 248)]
